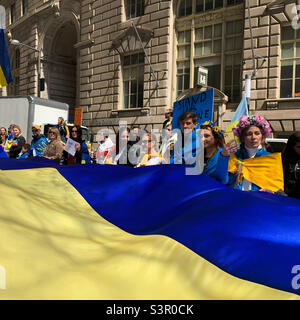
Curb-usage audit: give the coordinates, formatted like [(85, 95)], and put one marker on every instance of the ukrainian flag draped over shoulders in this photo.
[(5, 73)]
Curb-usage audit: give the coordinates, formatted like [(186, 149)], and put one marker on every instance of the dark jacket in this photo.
[(292, 179), (15, 150), (64, 131), (80, 157)]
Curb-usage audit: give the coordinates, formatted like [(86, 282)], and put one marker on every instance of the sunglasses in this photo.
[(34, 130), (51, 132)]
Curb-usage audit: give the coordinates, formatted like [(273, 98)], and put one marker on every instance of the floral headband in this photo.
[(254, 120), (213, 127)]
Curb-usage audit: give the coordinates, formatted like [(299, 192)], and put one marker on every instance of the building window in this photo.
[(24, 7), (12, 13), (133, 80), (134, 8), (233, 59), (217, 47), (205, 5), (233, 2), (290, 63), (186, 6), (183, 60)]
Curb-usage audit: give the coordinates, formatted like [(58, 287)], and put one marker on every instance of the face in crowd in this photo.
[(297, 148), (208, 138), (2, 131), (35, 132), (147, 143), (11, 128), (16, 131), (124, 137), (59, 120), (168, 130), (187, 126), (169, 115), (52, 135), (74, 133), (252, 137)]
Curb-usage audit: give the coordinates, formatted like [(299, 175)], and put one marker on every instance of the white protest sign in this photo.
[(70, 147)]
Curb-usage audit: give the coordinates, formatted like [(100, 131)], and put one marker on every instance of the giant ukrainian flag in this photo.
[(5, 74), (109, 232)]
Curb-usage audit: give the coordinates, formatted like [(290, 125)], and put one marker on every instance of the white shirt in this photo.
[(247, 185)]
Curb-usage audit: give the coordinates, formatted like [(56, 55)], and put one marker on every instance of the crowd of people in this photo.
[(242, 162)]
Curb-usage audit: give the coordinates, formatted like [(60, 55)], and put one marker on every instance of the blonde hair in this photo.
[(56, 132), (18, 127)]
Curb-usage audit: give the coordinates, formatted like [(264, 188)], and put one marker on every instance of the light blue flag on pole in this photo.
[(242, 110)]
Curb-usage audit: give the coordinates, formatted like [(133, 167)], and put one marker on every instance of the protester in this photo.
[(63, 129), (55, 148), (186, 148), (252, 168), (215, 149), (291, 166), (17, 142), (3, 154), (82, 155), (38, 143), (122, 148), (134, 136), (9, 138), (168, 141), (105, 149), (168, 116), (135, 144), (150, 156), (25, 153), (11, 129), (3, 136)]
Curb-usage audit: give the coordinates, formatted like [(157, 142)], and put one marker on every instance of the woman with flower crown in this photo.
[(215, 150), (252, 168)]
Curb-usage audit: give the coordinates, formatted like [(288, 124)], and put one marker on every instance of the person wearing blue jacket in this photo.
[(25, 153), (3, 154), (187, 145), (252, 168), (38, 143), (215, 151)]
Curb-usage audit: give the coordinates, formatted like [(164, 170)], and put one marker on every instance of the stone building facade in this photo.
[(131, 59)]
